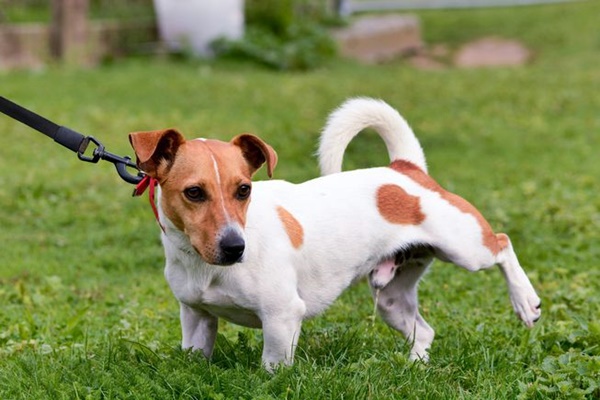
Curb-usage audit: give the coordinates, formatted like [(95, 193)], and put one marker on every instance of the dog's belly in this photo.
[(320, 292)]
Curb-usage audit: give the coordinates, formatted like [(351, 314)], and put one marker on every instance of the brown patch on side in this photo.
[(495, 243), (399, 207), (292, 227)]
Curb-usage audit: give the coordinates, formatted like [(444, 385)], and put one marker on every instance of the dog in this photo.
[(269, 254)]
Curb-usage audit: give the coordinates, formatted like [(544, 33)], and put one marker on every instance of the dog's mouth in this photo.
[(228, 260), (221, 260)]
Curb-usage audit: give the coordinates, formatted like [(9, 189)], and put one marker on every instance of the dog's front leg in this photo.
[(281, 330), (198, 328)]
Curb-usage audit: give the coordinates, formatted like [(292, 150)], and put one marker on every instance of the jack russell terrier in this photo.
[(286, 254)]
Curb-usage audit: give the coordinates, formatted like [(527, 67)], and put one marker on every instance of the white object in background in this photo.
[(194, 24)]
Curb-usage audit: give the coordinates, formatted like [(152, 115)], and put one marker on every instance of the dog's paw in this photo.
[(527, 305), (419, 356), (420, 352)]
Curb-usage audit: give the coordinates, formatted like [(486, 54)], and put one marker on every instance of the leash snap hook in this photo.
[(100, 153), (128, 177)]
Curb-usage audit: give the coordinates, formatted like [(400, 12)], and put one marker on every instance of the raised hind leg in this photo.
[(397, 304), (523, 297)]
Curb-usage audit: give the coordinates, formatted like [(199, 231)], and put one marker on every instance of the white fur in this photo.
[(357, 114), (276, 286)]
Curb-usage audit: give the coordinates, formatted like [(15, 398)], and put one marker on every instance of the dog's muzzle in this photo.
[(232, 247)]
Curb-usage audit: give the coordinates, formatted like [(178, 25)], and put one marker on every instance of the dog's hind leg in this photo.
[(198, 328), (397, 304), (523, 297)]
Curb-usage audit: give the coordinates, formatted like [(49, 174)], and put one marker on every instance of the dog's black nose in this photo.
[(232, 246)]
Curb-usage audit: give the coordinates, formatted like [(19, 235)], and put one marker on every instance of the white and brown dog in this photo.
[(288, 253)]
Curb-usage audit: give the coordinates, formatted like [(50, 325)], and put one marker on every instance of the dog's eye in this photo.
[(243, 192), (195, 194)]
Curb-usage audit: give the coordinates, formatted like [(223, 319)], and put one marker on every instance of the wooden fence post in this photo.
[(69, 31)]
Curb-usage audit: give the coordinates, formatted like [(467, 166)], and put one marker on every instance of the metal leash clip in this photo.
[(100, 153), (72, 140)]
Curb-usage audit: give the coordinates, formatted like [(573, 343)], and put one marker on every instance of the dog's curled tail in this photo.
[(357, 114)]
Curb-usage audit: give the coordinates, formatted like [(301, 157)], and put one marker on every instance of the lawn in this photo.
[(86, 312)]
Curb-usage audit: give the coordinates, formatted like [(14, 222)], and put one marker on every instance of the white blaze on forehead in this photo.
[(220, 189)]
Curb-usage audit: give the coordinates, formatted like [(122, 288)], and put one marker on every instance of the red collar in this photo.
[(149, 183)]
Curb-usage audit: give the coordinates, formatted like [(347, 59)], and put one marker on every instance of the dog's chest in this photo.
[(205, 290)]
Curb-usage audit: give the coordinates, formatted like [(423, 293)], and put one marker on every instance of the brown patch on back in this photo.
[(292, 227), (495, 243), (399, 207)]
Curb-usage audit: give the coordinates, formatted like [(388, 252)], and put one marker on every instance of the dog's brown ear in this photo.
[(153, 148), (256, 152)]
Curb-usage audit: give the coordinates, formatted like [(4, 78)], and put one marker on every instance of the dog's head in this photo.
[(205, 186)]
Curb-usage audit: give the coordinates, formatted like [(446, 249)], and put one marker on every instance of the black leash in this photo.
[(72, 140)]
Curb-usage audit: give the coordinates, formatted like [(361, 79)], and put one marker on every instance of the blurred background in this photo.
[(284, 34)]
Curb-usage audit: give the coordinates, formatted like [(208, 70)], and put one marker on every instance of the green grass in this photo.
[(86, 312)]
